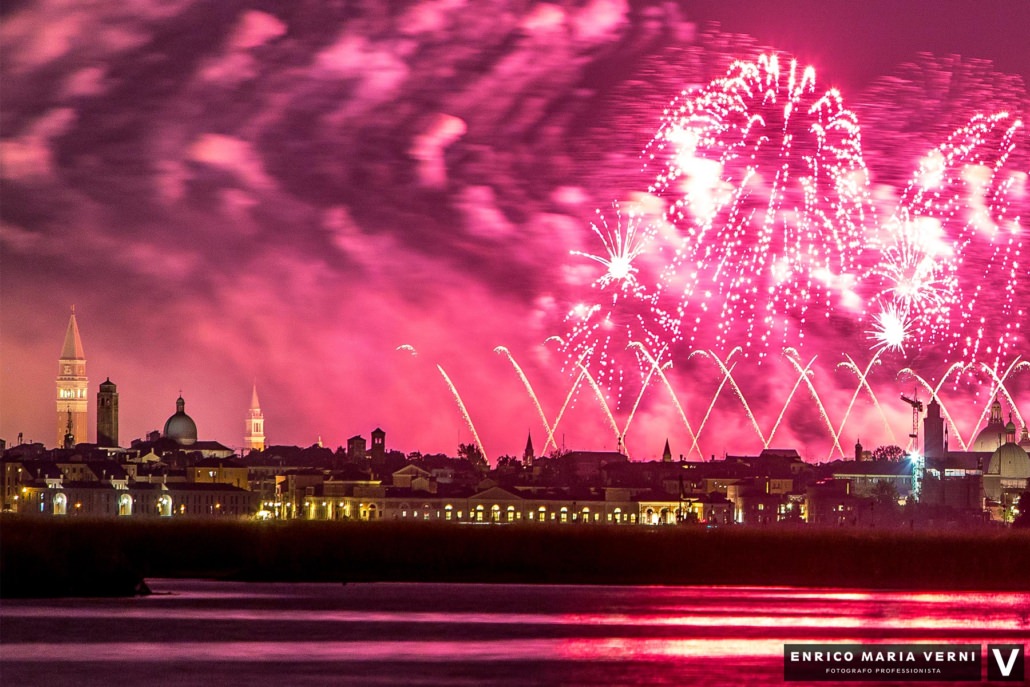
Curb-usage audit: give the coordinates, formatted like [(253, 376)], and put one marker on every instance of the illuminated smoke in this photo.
[(952, 262), (764, 182)]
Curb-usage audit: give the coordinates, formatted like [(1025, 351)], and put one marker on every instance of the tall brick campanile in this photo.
[(72, 389)]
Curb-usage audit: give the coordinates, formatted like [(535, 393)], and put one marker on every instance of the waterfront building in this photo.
[(1007, 475), (99, 499), (78, 483), (413, 494), (757, 501), (219, 471), (830, 503), (866, 477)]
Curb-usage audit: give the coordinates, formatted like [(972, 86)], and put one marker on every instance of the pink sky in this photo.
[(229, 195)]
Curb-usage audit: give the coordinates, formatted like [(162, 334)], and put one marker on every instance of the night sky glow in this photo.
[(585, 220)]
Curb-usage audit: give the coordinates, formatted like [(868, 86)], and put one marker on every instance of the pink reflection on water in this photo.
[(575, 649), (778, 612), (719, 617), (517, 650)]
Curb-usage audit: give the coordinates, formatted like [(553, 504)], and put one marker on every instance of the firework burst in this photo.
[(600, 334), (891, 329), (953, 248), (768, 229), (765, 182), (622, 245)]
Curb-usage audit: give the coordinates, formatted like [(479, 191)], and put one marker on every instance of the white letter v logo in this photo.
[(1005, 667)]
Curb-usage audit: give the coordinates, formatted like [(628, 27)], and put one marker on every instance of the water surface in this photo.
[(203, 632)]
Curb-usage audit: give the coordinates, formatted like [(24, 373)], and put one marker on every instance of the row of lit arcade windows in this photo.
[(127, 504), (496, 513), (71, 393)]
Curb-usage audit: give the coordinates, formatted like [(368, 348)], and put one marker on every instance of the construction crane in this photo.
[(917, 411)]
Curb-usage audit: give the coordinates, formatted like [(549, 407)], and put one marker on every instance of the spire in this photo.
[(529, 454), (254, 405), (72, 387), (667, 453), (72, 342)]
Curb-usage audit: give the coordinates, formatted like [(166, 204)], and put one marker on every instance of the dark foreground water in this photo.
[(195, 632)]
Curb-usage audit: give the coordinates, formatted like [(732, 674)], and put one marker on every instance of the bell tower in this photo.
[(933, 431), (107, 414), (254, 438), (72, 387)]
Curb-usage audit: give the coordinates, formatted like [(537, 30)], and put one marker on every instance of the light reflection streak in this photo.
[(605, 649), (837, 617)]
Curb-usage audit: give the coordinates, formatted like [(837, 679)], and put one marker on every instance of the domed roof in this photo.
[(989, 439), (993, 435), (181, 426), (1010, 461), (108, 385)]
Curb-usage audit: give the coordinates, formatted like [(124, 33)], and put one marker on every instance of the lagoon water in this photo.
[(195, 632)]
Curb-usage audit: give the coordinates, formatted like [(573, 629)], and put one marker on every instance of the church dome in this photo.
[(181, 427), (989, 439), (1010, 461), (993, 435)]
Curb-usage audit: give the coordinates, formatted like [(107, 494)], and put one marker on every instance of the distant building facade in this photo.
[(987, 478)]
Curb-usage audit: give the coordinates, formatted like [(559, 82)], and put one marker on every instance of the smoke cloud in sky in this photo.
[(242, 191)]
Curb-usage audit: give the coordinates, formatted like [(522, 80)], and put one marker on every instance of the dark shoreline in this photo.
[(55, 558)]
